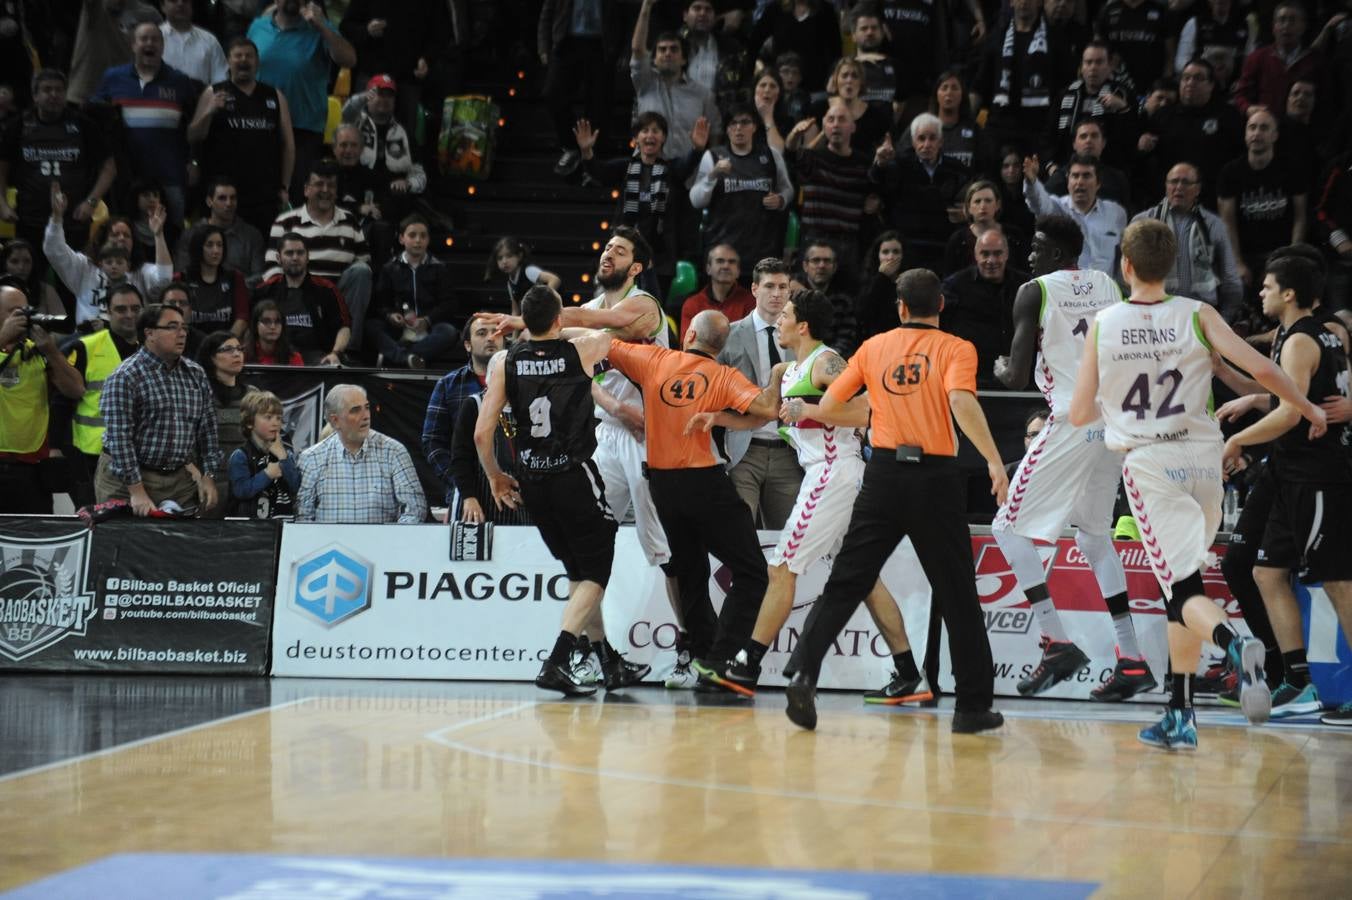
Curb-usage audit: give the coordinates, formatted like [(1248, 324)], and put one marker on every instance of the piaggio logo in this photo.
[(42, 597), (331, 585)]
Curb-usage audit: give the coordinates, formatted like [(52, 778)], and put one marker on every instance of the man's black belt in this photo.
[(911, 456), (767, 442)]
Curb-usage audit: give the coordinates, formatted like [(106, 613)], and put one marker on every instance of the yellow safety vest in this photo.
[(101, 359), (23, 400)]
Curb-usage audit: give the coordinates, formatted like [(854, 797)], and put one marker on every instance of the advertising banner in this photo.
[(143, 595)]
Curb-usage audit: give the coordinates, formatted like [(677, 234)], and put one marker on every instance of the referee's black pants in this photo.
[(702, 515), (925, 501)]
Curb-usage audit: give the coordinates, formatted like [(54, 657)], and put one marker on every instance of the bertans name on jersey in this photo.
[(1138, 337), (540, 366)]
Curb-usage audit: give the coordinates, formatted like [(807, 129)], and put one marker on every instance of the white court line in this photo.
[(439, 737), (141, 742)]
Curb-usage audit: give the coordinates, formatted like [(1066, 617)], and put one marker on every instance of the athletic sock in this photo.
[(1297, 668), (755, 652), (1047, 619), (1119, 607), (563, 648), (1223, 635), (905, 663), (1181, 698)]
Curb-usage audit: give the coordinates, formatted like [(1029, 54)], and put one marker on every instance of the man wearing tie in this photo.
[(764, 469)]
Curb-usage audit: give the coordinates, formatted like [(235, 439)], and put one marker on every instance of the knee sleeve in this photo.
[(1104, 561), (1021, 554), (1184, 590)]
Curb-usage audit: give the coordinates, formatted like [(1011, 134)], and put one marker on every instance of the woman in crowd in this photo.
[(876, 307), (222, 355), (981, 206), (270, 345), (962, 134), (220, 297), (872, 121), (17, 260), (775, 121)]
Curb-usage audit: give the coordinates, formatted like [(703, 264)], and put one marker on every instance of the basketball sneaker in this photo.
[(1060, 660), (555, 677), (585, 664), (1340, 716), (1176, 731), (1246, 657), (1217, 679), (1289, 700), (1130, 677), (735, 675), (618, 672), (901, 690), (802, 697), (681, 676)]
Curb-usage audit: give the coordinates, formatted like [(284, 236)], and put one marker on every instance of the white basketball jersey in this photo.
[(1154, 374), (813, 441), (1070, 300), (614, 381)]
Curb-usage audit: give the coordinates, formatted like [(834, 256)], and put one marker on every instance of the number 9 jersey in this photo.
[(1154, 366), (1070, 300)]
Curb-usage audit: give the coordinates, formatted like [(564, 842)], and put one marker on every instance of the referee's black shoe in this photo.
[(554, 677), (802, 696), (971, 721)]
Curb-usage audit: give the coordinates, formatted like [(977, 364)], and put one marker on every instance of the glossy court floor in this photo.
[(94, 766)]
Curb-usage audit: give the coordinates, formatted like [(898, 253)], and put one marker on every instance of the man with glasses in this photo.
[(746, 189), (724, 292), (1201, 128), (1206, 269), (822, 272), (160, 434)]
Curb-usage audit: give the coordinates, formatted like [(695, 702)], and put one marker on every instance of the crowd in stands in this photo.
[(177, 212)]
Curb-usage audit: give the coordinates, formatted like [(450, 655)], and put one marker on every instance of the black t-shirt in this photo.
[(1137, 36), (300, 324), (245, 141), (1296, 458), (550, 394), (70, 150), (1262, 203)]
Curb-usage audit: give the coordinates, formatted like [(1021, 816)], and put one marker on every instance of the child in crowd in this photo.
[(270, 345), (510, 257), (264, 477), (795, 101)]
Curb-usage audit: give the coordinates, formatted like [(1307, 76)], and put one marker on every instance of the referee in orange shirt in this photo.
[(919, 380)]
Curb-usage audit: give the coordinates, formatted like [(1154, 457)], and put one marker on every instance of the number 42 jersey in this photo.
[(1154, 366)]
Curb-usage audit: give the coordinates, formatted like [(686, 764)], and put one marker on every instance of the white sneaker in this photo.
[(585, 669), (682, 676)]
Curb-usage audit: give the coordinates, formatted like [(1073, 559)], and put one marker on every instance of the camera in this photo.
[(46, 320)]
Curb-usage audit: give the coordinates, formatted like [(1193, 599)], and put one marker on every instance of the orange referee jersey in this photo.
[(675, 386), (908, 372)]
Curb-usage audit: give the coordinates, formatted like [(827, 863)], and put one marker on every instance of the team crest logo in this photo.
[(42, 596), (331, 585), (1211, 126), (303, 417)]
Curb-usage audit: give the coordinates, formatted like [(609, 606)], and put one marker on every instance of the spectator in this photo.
[(448, 396), (880, 72), (981, 205), (1139, 33), (95, 357), (471, 485), (836, 191), (53, 141), (403, 39), (979, 304), (876, 308), (718, 61), (1095, 96), (160, 439), (415, 300), (194, 51), (810, 30), (745, 187), (1216, 28), (919, 41), (1101, 220), (1201, 128), (157, 102), (264, 477), (1091, 140), (1013, 210), (511, 257), (360, 190), (644, 180), (767, 94), (244, 244), (921, 190), (387, 149), (295, 45), (103, 40), (222, 357), (16, 260), (724, 292), (872, 121), (572, 43), (661, 85), (29, 362), (147, 195), (357, 475), (1300, 129), (270, 345), (90, 283), (318, 321), (337, 248), (220, 297), (763, 468), (823, 272), (1335, 218), (1205, 267), (1269, 71), (796, 99), (1263, 205), (1021, 65), (179, 296), (244, 128), (962, 137)]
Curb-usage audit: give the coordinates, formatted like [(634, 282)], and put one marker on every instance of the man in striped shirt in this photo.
[(837, 192), (337, 247)]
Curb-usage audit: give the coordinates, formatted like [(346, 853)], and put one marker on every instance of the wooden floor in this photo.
[(364, 769)]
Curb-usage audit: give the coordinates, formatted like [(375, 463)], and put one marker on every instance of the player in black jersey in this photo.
[(547, 380), (1310, 526)]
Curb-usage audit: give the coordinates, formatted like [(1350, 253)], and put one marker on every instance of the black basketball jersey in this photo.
[(550, 395), (1295, 457), (69, 150), (245, 141)]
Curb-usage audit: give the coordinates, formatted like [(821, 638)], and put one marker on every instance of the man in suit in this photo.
[(764, 469)]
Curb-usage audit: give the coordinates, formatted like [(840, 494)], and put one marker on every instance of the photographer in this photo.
[(29, 359)]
